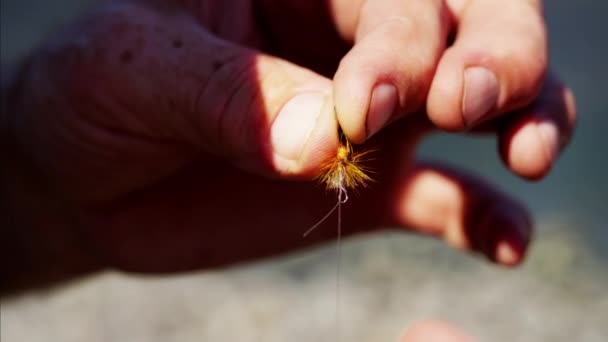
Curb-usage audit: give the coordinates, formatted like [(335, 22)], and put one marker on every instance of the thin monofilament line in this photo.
[(339, 259), (342, 198), (321, 220)]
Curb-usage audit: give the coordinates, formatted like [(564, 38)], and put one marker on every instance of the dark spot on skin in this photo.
[(172, 105), (99, 53), (216, 65), (126, 56), (177, 43)]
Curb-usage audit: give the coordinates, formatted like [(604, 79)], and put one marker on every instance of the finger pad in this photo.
[(523, 152)]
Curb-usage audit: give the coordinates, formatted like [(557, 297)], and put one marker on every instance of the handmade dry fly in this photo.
[(346, 171)]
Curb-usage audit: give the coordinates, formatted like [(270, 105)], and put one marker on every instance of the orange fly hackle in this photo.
[(346, 169)]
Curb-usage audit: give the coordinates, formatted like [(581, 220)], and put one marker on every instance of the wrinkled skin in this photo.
[(159, 136)]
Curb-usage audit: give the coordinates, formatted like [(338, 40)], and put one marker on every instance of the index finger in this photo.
[(388, 72)]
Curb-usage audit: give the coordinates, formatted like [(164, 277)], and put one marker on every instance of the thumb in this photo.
[(183, 83)]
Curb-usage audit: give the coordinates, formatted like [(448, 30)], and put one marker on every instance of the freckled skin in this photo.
[(120, 155)]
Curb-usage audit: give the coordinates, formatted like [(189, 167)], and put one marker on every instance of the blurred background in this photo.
[(389, 280)]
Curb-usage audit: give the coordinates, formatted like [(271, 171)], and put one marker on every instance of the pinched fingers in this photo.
[(389, 70)]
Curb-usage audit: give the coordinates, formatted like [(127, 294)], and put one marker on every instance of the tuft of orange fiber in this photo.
[(347, 170)]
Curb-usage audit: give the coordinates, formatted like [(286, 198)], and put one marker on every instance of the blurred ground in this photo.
[(389, 280)]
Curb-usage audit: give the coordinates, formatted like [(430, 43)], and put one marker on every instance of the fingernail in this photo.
[(381, 108), (480, 94), (549, 136), (294, 123), (509, 235)]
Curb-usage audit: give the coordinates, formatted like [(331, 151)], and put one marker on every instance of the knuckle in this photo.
[(526, 72), (230, 100)]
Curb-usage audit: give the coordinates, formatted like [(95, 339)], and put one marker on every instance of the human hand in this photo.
[(434, 331), (164, 139)]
